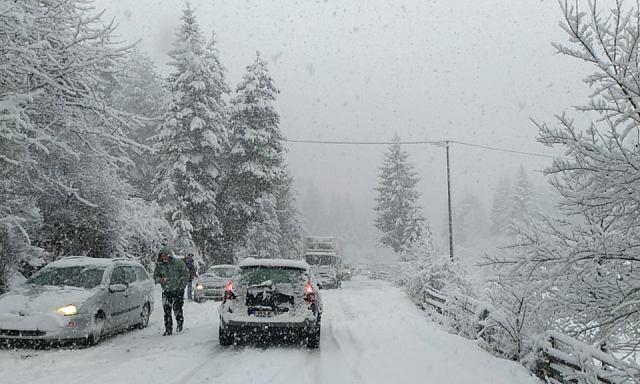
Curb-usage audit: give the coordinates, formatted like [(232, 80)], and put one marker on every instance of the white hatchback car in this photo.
[(271, 297), (77, 299)]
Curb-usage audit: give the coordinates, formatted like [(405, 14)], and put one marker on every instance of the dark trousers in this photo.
[(172, 300)]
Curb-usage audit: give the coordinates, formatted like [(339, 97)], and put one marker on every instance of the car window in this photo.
[(76, 276), (221, 272), (321, 259), (277, 275), (141, 274), (119, 276), (130, 275)]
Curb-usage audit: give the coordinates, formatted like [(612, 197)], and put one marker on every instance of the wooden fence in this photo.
[(568, 360), (561, 358)]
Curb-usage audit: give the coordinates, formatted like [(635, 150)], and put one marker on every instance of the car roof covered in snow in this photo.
[(251, 262), (322, 253), (74, 261), (222, 266)]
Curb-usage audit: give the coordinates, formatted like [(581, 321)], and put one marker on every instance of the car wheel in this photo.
[(225, 337), (144, 316), (97, 329), (313, 339)]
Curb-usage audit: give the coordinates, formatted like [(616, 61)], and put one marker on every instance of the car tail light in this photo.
[(228, 292), (309, 293)]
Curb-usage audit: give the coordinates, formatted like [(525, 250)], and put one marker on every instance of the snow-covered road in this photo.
[(371, 333)]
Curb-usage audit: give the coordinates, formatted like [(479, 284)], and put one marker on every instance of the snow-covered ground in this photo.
[(371, 333)]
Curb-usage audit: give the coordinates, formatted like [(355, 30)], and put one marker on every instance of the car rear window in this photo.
[(321, 259), (277, 275), (77, 276), (221, 272)]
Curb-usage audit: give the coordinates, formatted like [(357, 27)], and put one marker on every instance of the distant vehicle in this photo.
[(77, 298), (324, 255), (346, 272), (271, 297), (210, 286)]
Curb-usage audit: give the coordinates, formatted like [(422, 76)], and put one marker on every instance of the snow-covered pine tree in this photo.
[(192, 137), (142, 92), (289, 219), (263, 235), (523, 206), (500, 208), (399, 217), (469, 220), (255, 164)]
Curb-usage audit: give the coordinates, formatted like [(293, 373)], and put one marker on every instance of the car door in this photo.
[(118, 300), (146, 285), (134, 296)]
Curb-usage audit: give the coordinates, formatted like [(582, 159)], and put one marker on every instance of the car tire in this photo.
[(144, 316), (313, 339), (225, 337), (97, 329)]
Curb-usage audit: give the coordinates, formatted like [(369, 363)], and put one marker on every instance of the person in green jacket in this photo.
[(172, 275)]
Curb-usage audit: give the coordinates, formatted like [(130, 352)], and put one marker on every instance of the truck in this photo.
[(324, 256)]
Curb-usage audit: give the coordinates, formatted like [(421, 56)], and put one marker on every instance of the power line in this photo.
[(347, 142), (502, 149), (438, 143)]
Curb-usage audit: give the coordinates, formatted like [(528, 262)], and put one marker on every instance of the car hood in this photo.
[(30, 300), (213, 280)]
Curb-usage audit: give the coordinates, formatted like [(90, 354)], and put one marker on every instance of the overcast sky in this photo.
[(473, 71)]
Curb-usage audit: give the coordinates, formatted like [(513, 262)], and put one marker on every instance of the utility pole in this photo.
[(449, 201)]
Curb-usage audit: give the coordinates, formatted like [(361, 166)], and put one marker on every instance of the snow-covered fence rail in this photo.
[(564, 359), (432, 298), (464, 314)]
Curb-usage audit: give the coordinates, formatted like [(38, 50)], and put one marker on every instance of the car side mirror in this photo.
[(117, 288)]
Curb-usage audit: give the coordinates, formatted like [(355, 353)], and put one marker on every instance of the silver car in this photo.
[(210, 286), (271, 297), (77, 299)]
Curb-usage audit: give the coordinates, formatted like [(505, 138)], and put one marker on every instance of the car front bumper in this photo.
[(45, 327), (208, 294)]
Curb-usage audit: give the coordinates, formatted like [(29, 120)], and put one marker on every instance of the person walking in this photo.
[(172, 274), (193, 273)]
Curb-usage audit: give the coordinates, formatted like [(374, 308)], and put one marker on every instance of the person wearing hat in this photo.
[(172, 275)]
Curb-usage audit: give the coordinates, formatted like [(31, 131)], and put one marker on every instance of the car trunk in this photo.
[(269, 299), (272, 291)]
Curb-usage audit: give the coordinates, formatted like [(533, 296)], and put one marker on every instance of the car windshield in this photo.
[(220, 272), (277, 275), (77, 276), (321, 259)]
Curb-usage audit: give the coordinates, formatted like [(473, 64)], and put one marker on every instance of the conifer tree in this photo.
[(192, 137), (522, 204), (289, 219), (264, 236), (500, 208), (255, 164), (142, 93), (399, 217)]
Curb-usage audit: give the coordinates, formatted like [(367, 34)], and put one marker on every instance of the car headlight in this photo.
[(68, 310), (199, 286)]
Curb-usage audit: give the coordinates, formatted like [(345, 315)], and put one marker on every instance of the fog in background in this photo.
[(473, 71)]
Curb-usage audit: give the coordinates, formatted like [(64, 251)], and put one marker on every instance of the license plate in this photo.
[(264, 313)]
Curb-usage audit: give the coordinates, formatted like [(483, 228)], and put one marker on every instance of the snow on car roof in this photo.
[(72, 261), (222, 266), (251, 262), (322, 253)]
